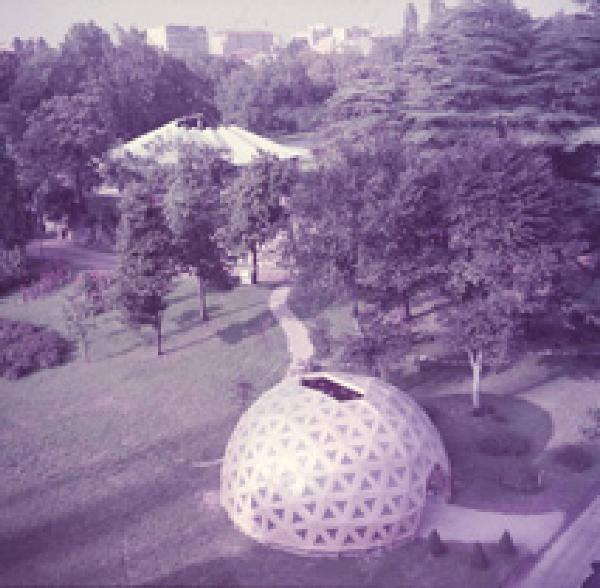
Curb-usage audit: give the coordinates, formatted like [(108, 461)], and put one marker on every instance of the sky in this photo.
[(51, 18)]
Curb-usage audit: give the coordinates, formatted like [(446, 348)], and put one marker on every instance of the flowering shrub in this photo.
[(13, 268), (26, 348), (53, 275)]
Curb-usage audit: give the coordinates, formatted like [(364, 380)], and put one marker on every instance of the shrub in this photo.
[(502, 444), (26, 348), (13, 268), (592, 431), (506, 544), (574, 458), (521, 479), (479, 559), (435, 544), (52, 276)]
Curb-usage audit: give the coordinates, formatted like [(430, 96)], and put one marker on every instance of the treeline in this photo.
[(451, 163)]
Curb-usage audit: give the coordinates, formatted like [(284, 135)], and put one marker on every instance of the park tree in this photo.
[(512, 235), (14, 222), (64, 136), (145, 269), (195, 214), (147, 87), (404, 252), (351, 223), (256, 202), (565, 71), (34, 81), (84, 56), (468, 69)]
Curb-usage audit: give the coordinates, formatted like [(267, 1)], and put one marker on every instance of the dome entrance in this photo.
[(332, 387)]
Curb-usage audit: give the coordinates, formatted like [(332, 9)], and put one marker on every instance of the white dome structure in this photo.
[(330, 463)]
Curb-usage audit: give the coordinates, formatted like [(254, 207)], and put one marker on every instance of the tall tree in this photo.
[(14, 225), (195, 214), (145, 270), (405, 250), (256, 199), (512, 234), (64, 136), (468, 69)]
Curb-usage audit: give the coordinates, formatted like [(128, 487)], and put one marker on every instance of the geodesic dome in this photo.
[(330, 463)]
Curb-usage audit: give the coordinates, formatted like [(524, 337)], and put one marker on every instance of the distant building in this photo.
[(411, 20), (326, 39), (179, 40), (436, 8), (246, 45)]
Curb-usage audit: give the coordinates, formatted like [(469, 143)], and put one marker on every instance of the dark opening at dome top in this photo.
[(332, 387)]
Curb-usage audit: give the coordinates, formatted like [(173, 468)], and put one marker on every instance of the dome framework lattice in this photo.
[(309, 473)]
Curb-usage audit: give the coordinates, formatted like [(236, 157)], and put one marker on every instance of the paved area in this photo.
[(458, 523), (300, 346), (567, 563), (80, 258)]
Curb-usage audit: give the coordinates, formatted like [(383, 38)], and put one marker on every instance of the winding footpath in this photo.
[(300, 346)]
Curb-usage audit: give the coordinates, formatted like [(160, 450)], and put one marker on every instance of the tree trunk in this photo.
[(476, 362), (355, 314), (158, 328), (254, 255), (202, 295)]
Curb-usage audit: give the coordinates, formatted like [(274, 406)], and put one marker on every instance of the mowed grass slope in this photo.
[(89, 450), (127, 393)]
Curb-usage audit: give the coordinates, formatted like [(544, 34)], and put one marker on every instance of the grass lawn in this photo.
[(104, 480)]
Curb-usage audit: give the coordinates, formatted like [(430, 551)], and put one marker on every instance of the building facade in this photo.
[(245, 45), (179, 40)]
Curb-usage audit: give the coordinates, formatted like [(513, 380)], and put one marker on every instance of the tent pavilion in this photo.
[(239, 145), (330, 463)]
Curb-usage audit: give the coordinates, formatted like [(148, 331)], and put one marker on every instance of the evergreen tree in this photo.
[(195, 214), (565, 71), (468, 69), (146, 268)]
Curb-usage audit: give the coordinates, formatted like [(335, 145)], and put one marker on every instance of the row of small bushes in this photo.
[(479, 558), (26, 348)]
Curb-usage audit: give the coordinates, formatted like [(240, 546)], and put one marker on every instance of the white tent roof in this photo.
[(240, 145)]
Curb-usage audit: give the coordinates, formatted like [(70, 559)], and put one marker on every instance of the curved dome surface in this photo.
[(341, 468)]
